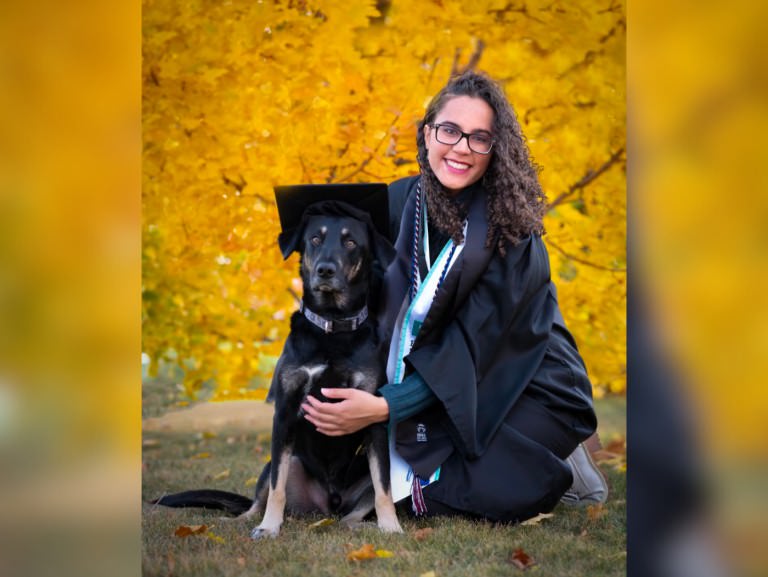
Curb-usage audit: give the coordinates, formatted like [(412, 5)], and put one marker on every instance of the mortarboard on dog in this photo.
[(367, 202)]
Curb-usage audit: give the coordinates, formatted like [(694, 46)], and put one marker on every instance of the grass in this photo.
[(573, 542)]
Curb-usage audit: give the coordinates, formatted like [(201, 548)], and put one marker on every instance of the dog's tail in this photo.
[(207, 499)]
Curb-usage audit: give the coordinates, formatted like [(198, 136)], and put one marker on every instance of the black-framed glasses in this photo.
[(479, 142)]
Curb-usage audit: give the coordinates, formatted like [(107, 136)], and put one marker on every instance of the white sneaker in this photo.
[(589, 486)]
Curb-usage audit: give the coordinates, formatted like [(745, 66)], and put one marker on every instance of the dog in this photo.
[(333, 342)]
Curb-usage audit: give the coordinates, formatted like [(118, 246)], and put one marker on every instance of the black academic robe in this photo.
[(495, 351)]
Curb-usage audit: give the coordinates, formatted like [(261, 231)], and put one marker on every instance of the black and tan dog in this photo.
[(332, 343)]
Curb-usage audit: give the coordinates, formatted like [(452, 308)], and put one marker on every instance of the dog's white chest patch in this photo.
[(301, 377), (364, 381), (312, 372)]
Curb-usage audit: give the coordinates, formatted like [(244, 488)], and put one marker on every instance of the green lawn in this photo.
[(573, 542)]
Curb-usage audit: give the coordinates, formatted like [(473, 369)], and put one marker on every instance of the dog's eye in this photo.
[(316, 240), (349, 243)]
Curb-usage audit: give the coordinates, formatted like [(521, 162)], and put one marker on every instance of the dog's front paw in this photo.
[(264, 532), (390, 526)]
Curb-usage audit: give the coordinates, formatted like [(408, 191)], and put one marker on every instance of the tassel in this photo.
[(417, 497)]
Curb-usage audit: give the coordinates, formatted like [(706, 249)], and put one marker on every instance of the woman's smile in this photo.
[(457, 167)]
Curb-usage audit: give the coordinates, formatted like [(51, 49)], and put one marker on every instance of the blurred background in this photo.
[(144, 140)]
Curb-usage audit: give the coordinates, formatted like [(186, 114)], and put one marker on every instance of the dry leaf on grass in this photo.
[(595, 512), (251, 481), (213, 537), (421, 534), (187, 530), (521, 560), (537, 519), (201, 456), (613, 455), (223, 475), (367, 551), (322, 523), (428, 574)]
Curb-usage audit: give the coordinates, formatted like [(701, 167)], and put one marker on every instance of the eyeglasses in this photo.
[(478, 142)]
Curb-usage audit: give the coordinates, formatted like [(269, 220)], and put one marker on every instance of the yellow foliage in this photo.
[(240, 96)]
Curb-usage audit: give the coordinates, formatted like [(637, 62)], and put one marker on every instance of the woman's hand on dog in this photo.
[(356, 410)]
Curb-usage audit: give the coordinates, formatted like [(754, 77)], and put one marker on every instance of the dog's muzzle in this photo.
[(325, 277)]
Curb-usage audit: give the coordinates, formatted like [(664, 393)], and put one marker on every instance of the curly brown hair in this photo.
[(516, 203)]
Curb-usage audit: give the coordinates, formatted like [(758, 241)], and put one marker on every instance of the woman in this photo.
[(487, 392)]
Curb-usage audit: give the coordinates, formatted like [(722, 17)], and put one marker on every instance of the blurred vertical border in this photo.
[(698, 322), (70, 136)]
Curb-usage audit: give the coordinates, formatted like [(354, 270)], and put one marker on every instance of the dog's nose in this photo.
[(326, 269)]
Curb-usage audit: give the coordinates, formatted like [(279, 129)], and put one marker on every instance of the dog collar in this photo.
[(335, 325)]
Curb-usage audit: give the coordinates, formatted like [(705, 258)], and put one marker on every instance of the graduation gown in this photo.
[(514, 397)]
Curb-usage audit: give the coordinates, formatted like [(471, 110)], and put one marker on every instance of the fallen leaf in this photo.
[(241, 561), (209, 435), (538, 519), (150, 443), (322, 523), (187, 530), (595, 512), (201, 456), (421, 534), (213, 537), (521, 560), (428, 574), (252, 481), (617, 445), (601, 456), (365, 552), (222, 475), (613, 455), (182, 403)]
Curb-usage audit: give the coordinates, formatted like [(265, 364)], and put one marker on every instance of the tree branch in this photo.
[(584, 261), (295, 296), (307, 176), (473, 59), (590, 176), (365, 162)]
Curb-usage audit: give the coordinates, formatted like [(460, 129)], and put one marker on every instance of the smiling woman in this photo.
[(487, 396)]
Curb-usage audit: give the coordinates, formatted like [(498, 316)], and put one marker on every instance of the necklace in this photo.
[(421, 205)]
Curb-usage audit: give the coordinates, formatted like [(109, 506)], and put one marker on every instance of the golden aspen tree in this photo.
[(240, 96)]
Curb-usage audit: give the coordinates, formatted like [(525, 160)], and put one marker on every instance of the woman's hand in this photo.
[(357, 410)]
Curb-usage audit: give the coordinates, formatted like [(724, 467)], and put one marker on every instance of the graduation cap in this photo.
[(366, 202)]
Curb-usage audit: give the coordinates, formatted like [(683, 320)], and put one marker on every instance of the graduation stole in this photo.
[(412, 316)]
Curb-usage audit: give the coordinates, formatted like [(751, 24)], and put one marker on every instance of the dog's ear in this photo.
[(290, 240), (382, 249)]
